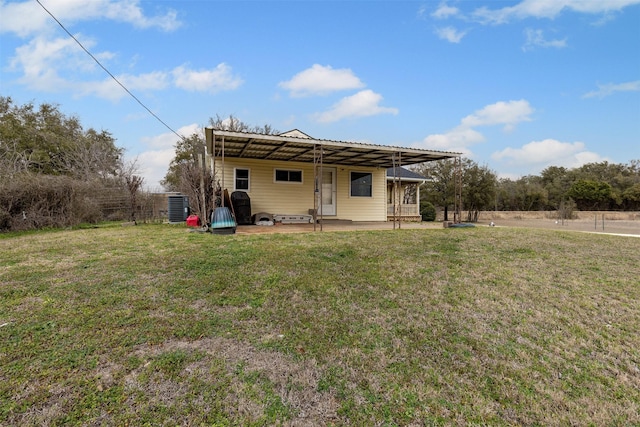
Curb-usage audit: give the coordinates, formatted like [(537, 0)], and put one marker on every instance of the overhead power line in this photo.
[(109, 73)]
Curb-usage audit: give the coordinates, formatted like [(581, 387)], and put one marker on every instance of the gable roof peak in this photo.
[(296, 133)]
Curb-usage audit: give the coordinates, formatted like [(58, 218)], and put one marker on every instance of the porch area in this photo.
[(405, 212), (403, 194), (335, 225)]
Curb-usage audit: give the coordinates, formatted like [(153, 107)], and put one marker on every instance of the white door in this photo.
[(328, 205)]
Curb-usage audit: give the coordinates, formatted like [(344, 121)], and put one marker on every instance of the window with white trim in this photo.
[(287, 175), (361, 184), (241, 179)]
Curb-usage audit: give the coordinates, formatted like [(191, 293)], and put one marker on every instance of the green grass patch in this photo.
[(154, 325)]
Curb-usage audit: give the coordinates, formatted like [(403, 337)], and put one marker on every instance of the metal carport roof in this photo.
[(298, 149)]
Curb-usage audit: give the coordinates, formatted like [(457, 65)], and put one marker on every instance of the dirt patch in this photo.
[(294, 381), (593, 225)]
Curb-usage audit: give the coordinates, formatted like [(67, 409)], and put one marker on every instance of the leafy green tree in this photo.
[(440, 189), (46, 141), (188, 150), (556, 181), (631, 197), (478, 185), (53, 172), (530, 194), (590, 194), (478, 188)]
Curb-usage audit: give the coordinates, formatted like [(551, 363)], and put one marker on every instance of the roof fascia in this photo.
[(387, 149)]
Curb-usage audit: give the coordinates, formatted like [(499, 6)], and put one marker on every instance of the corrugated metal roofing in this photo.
[(295, 149)]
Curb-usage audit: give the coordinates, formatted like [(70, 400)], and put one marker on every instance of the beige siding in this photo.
[(362, 208), (266, 195)]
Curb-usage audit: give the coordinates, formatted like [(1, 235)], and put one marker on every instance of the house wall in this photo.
[(269, 196)]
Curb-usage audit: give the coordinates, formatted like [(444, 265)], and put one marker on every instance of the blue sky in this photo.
[(514, 85)]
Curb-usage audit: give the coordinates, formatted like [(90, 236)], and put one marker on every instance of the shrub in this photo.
[(427, 211), (34, 201), (5, 220)]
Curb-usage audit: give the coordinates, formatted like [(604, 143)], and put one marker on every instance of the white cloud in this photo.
[(28, 18), (23, 18), (422, 11), (321, 80), (169, 139), (611, 88), (153, 166), (535, 38), (40, 59), (464, 135), (508, 113), (548, 9), (450, 34), (456, 139), (109, 89), (53, 65), (362, 104), (154, 162), (546, 153), (59, 65), (445, 11), (129, 11), (215, 80)]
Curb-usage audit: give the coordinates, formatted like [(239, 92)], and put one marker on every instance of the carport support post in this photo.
[(222, 195), (321, 185), (317, 184), (396, 190), (393, 188), (315, 189), (398, 195), (213, 171), (203, 205), (457, 208)]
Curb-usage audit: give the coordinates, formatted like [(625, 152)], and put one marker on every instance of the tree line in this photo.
[(55, 173), (592, 186)]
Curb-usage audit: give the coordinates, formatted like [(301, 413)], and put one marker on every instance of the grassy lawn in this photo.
[(152, 325)]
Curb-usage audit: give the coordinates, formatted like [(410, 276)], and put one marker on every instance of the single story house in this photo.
[(294, 174)]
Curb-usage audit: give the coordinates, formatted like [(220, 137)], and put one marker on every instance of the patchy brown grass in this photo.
[(576, 215), (153, 325), (593, 222)]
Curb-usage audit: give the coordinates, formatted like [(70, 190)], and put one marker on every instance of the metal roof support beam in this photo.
[(304, 153), (213, 172), (321, 185), (399, 189), (246, 147), (317, 184), (394, 189), (457, 207), (396, 160), (315, 189), (222, 195), (268, 156)]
